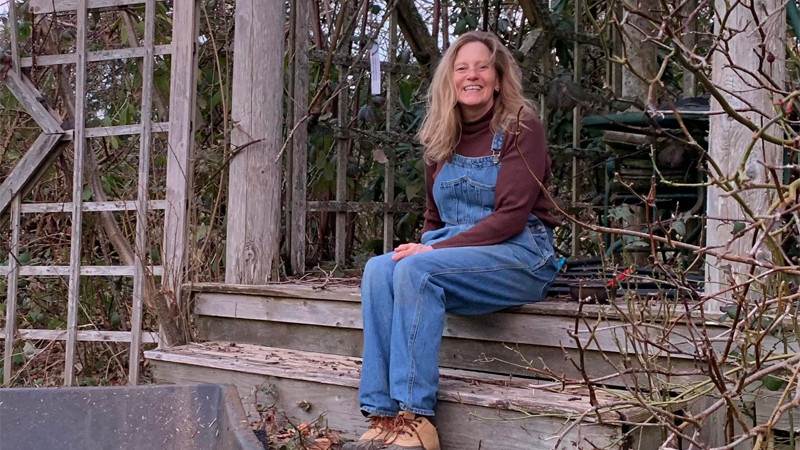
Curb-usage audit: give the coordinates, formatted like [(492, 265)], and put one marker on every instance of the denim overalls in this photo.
[(404, 302)]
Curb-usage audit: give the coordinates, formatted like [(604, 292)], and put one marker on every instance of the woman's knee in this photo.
[(379, 269)]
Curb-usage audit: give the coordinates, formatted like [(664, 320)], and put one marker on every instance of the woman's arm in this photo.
[(431, 215)]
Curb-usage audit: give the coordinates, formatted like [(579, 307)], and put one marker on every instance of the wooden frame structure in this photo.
[(30, 168)]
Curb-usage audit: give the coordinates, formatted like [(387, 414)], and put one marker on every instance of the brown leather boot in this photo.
[(373, 438), (412, 433)]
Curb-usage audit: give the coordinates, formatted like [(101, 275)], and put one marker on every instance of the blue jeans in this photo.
[(404, 305)]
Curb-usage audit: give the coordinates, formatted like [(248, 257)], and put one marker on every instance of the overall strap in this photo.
[(497, 144)]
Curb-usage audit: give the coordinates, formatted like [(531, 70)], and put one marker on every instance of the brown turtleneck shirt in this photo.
[(516, 193)]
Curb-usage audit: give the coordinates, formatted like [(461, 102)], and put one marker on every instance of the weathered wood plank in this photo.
[(547, 331), (182, 101), (350, 293), (124, 130), (11, 297), (94, 56), (140, 275), (742, 89), (388, 177), (117, 205), (76, 248), (49, 6), (363, 207), (277, 290), (25, 169), (468, 354), (83, 336), (300, 140), (254, 195), (344, 60), (460, 427), (342, 155), (457, 386), (85, 271), (28, 98), (13, 31)]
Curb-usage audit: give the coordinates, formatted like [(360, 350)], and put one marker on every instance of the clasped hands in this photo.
[(404, 250)]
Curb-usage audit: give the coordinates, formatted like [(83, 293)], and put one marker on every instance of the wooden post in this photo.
[(576, 124), (641, 55), (297, 247), (689, 36), (391, 97), (77, 193), (254, 194), (342, 153), (12, 27), (728, 139), (11, 298), (139, 273), (183, 92)]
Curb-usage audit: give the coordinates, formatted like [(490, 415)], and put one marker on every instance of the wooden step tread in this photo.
[(456, 386)]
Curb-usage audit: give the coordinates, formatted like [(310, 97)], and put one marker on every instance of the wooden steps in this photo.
[(517, 341), (475, 410)]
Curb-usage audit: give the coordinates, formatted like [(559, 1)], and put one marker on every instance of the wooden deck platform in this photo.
[(303, 342), (475, 410)]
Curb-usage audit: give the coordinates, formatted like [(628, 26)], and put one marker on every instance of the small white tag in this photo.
[(375, 69)]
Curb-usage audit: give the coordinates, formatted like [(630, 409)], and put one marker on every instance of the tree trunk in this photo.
[(728, 140), (641, 55), (254, 195)]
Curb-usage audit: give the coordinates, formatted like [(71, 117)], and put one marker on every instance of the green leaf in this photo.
[(327, 173), (114, 319), (473, 22), (17, 358), (406, 89), (738, 227), (412, 190), (24, 258), (87, 194), (772, 383), (461, 27)]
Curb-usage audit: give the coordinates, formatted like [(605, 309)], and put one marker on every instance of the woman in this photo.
[(487, 242)]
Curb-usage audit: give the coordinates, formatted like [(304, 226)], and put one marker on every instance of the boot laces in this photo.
[(381, 423), (404, 426)]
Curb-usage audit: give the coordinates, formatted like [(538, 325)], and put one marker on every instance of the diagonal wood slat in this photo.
[(27, 167), (29, 97)]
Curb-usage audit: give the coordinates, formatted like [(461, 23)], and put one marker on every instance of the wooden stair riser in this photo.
[(460, 427), (467, 354)]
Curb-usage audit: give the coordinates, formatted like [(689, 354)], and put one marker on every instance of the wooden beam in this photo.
[(85, 271), (76, 248), (118, 205), (742, 88), (31, 101), (11, 286), (140, 275), (23, 173), (345, 60), (361, 207), (49, 6), (254, 194), (388, 167), (83, 336), (297, 248), (95, 56), (182, 100)]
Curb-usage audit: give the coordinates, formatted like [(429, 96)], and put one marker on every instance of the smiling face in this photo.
[(475, 78)]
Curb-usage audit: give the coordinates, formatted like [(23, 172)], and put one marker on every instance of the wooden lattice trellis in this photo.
[(30, 168)]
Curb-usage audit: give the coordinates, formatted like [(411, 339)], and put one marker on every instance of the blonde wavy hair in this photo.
[(441, 128)]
